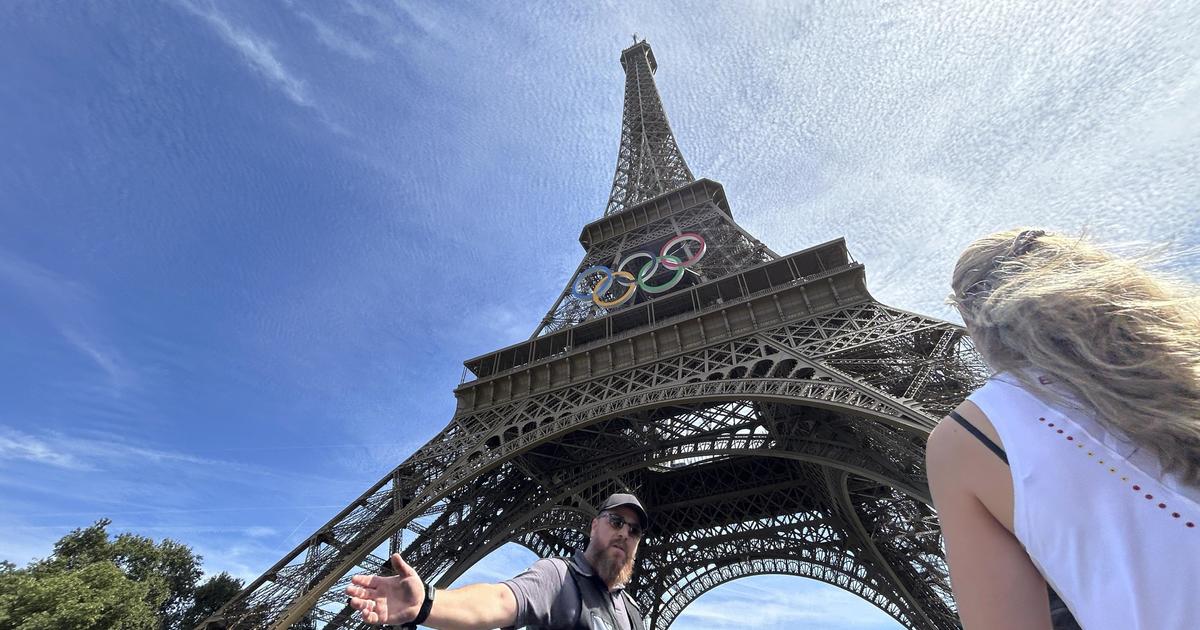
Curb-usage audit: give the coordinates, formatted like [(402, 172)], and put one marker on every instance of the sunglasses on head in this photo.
[(617, 521)]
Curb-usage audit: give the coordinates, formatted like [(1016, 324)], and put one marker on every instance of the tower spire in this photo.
[(649, 162)]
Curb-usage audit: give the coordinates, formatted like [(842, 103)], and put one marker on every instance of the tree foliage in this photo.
[(125, 583), (209, 597), (97, 595)]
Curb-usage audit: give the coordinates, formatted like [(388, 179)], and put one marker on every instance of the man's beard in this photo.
[(609, 565)]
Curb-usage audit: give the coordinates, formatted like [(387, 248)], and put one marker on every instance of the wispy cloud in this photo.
[(71, 309), (15, 445), (100, 452), (106, 358), (424, 17), (256, 51), (155, 491), (76, 453), (245, 531), (336, 40)]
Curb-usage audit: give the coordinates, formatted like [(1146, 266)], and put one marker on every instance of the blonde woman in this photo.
[(1078, 463)]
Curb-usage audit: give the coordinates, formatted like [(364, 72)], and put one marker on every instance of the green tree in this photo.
[(162, 575), (209, 597), (168, 566), (97, 595)]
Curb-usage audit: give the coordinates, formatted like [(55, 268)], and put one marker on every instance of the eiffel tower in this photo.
[(767, 409)]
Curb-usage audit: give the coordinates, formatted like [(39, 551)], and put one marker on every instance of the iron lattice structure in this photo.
[(649, 161), (770, 413)]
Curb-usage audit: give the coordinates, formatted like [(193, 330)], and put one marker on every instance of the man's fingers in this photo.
[(364, 580), (366, 607), (357, 591), (401, 567)]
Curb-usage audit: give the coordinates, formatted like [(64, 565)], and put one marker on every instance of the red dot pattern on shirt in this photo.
[(1135, 487)]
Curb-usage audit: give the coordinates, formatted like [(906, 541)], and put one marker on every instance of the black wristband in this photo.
[(426, 606)]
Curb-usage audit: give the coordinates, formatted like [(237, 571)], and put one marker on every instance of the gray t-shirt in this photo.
[(547, 596)]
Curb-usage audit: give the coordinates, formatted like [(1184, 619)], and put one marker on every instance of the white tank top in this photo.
[(1118, 541)]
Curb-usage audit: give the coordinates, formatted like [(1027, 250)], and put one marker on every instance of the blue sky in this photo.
[(245, 247)]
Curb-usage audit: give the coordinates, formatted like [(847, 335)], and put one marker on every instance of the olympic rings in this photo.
[(583, 289)]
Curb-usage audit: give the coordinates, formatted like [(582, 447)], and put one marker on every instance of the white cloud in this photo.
[(120, 375), (15, 445), (368, 10), (110, 452), (71, 309), (157, 492), (257, 52), (259, 531), (427, 21), (337, 40)]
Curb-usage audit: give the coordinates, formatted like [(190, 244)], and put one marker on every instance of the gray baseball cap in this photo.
[(628, 500)]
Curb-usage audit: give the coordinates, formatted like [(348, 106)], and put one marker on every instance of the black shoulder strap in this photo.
[(631, 607), (987, 441), (635, 613)]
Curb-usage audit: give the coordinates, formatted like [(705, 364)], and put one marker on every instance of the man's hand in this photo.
[(397, 600), (391, 600)]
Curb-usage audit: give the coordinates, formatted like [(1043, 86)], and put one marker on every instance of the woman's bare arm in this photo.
[(995, 583)]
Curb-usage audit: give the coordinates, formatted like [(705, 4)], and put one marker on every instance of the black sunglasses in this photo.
[(617, 521)]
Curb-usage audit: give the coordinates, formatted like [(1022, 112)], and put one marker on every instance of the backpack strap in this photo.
[(635, 613), (631, 608)]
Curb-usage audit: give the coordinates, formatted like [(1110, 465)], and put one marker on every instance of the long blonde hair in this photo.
[(1119, 338)]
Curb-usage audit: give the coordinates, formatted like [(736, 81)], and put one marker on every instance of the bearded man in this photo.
[(585, 592)]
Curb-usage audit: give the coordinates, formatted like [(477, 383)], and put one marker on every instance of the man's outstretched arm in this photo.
[(397, 600)]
